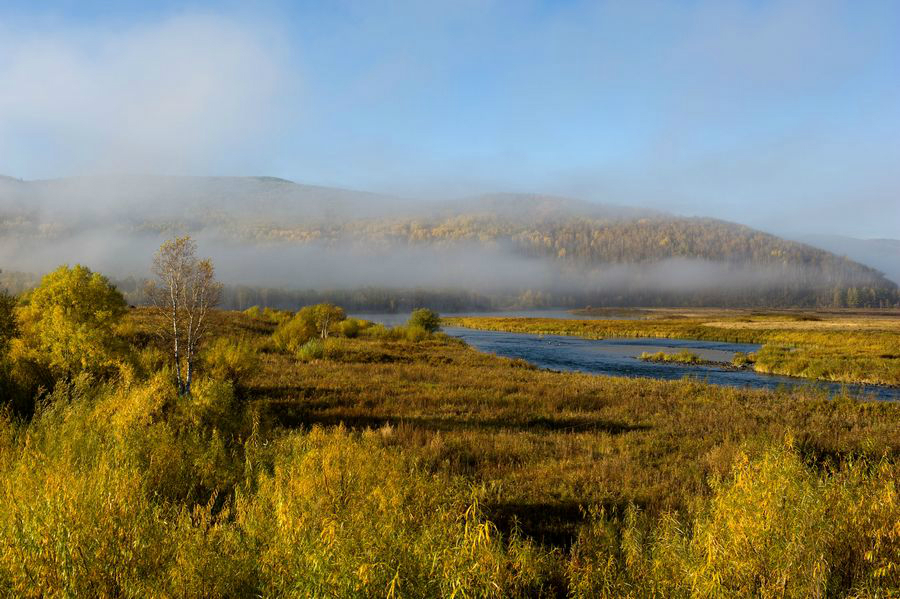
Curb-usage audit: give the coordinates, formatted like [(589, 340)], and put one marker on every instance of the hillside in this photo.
[(509, 249), (883, 254)]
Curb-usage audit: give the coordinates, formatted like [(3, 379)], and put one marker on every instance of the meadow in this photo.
[(851, 347), (400, 462)]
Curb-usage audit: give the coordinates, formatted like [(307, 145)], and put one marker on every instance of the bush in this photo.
[(343, 516), (319, 321), (313, 349), (775, 527), (90, 506), (211, 406), (276, 316), (350, 328), (379, 331), (231, 360), (426, 319), (290, 335), (87, 506), (150, 360), (416, 333), (254, 312)]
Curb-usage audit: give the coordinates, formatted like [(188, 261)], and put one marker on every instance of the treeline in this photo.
[(799, 275), (390, 300), (587, 240), (597, 262)]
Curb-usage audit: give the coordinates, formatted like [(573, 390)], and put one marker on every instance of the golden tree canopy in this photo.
[(68, 320)]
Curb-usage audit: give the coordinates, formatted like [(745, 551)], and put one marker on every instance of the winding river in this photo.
[(619, 357)]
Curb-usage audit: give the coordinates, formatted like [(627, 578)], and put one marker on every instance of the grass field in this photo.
[(841, 347), (411, 465)]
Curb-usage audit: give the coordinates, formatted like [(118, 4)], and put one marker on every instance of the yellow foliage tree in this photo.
[(68, 321)]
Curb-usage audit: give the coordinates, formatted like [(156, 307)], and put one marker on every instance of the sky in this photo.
[(780, 115)]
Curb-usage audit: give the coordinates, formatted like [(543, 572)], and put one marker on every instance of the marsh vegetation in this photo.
[(319, 455), (682, 357)]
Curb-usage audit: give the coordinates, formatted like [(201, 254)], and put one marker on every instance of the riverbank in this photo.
[(854, 348)]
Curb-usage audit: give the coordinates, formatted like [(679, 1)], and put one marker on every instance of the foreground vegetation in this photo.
[(320, 455), (841, 348)]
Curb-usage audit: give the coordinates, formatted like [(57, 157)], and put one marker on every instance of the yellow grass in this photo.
[(411, 466)]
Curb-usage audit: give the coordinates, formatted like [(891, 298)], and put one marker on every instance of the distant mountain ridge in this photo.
[(587, 252)]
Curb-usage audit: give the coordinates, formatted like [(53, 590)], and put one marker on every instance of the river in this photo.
[(619, 357)]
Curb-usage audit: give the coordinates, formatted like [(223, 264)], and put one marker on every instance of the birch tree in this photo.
[(185, 291)]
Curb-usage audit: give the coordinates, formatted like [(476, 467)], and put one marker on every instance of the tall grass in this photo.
[(421, 468), (91, 509), (682, 357), (775, 527)]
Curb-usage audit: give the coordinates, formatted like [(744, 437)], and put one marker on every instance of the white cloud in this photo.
[(171, 96)]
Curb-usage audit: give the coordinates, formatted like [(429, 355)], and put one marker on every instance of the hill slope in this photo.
[(547, 250), (883, 254)]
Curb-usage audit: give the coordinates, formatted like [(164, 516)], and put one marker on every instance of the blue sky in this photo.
[(782, 115)]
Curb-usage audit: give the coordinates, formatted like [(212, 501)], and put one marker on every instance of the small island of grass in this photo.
[(682, 357)]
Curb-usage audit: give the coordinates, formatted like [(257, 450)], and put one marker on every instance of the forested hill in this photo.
[(883, 254), (518, 249)]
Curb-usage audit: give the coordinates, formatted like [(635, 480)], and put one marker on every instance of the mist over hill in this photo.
[(279, 242), (883, 254)]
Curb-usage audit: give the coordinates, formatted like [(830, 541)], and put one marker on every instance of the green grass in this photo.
[(410, 465)]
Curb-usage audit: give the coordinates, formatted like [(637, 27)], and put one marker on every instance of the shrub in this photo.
[(276, 316), (22, 378), (416, 333), (319, 320), (231, 360), (340, 515), (90, 510), (775, 527), (81, 514), (290, 335), (254, 312), (338, 349), (426, 319), (313, 349), (379, 331), (150, 360), (350, 328), (211, 406)]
